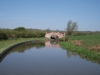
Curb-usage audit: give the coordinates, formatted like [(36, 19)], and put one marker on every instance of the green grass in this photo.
[(4, 44), (89, 40)]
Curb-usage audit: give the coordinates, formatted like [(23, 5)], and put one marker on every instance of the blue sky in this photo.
[(53, 14)]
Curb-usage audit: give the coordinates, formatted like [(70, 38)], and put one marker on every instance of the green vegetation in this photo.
[(9, 37), (88, 40), (20, 32), (87, 46), (85, 43), (4, 44)]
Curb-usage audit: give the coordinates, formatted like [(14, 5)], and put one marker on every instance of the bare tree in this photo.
[(71, 26)]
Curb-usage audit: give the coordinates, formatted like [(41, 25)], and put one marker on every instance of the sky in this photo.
[(52, 14)]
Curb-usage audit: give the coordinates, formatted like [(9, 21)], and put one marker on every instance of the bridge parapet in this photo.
[(60, 35)]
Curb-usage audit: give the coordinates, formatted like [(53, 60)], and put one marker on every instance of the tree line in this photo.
[(21, 32)]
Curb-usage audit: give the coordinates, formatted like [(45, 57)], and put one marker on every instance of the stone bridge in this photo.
[(58, 34)]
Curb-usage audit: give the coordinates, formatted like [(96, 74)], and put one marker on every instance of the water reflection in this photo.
[(36, 59), (27, 46), (22, 48), (71, 54), (52, 44)]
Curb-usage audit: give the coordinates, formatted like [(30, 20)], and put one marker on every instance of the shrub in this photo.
[(3, 36)]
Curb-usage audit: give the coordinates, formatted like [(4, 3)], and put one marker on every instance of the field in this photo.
[(87, 46), (4, 44), (92, 42)]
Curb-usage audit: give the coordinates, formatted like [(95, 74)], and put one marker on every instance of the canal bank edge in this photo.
[(17, 44), (83, 52)]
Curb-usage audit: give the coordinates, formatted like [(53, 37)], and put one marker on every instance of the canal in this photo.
[(45, 59)]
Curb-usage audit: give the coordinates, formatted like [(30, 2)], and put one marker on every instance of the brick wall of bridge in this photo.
[(60, 35)]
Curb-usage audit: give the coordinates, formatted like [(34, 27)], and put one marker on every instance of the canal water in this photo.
[(45, 59)]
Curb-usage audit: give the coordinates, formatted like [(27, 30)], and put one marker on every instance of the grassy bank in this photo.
[(4, 44), (86, 46)]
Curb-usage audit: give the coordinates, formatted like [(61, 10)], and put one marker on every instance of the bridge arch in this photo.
[(55, 37), (54, 34)]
